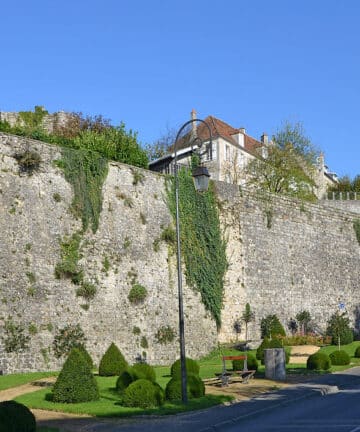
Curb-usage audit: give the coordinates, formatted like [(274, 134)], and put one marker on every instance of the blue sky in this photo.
[(253, 64)]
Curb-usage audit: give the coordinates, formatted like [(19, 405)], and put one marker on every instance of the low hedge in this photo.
[(133, 373), (252, 363)]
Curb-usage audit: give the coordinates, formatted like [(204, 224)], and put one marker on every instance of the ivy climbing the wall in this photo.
[(202, 244), (86, 171)]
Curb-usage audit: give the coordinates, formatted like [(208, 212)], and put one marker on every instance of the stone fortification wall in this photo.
[(346, 205), (49, 122), (33, 220), (284, 257)]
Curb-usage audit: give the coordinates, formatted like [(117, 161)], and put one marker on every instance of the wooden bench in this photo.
[(245, 374)]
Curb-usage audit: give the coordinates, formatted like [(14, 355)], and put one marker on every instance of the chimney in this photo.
[(193, 124), (242, 130), (264, 138)]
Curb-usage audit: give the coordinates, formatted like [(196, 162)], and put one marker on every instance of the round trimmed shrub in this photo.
[(112, 362), (124, 380), (195, 388), (252, 363), (192, 367), (15, 417), (143, 371), (143, 393), (75, 382), (338, 358), (357, 352), (318, 361)]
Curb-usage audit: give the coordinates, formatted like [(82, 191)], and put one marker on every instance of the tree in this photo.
[(339, 329), (304, 319), (289, 166), (162, 145), (247, 317)]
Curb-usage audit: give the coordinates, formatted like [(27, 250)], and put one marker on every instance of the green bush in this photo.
[(267, 344), (192, 367), (252, 363), (271, 327), (318, 361), (75, 383), (15, 417), (143, 394), (143, 371), (357, 352), (124, 380), (137, 293), (86, 356), (112, 362), (339, 357), (195, 388)]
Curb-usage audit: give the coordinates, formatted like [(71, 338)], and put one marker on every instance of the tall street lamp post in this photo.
[(201, 182)]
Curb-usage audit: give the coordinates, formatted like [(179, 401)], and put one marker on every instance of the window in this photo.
[(227, 152)]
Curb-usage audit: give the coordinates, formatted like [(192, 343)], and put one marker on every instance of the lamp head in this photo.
[(201, 178)]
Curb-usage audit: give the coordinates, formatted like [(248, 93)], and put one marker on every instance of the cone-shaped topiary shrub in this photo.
[(318, 361), (86, 356), (112, 362), (252, 363), (143, 371), (15, 417), (124, 380), (338, 358), (195, 388), (271, 327), (143, 393), (192, 367), (75, 383)]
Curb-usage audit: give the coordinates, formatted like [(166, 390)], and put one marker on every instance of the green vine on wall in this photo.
[(202, 244), (86, 171)]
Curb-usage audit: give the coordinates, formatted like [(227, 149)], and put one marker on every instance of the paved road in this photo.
[(333, 408), (329, 403)]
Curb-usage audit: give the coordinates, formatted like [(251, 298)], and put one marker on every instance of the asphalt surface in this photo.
[(322, 404)]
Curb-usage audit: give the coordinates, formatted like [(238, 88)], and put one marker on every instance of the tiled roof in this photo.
[(220, 129)]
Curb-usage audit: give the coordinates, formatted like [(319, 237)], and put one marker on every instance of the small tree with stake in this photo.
[(247, 317)]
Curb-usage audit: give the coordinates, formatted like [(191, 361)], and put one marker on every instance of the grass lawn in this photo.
[(109, 404), (14, 380)]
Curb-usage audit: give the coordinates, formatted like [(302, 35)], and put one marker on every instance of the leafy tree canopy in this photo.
[(288, 167)]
